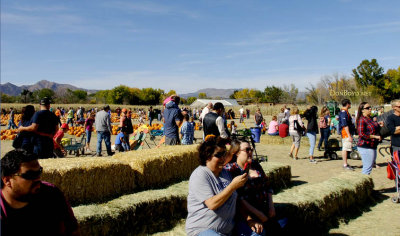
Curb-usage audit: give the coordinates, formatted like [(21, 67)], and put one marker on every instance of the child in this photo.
[(58, 148), (263, 126), (187, 131), (120, 141)]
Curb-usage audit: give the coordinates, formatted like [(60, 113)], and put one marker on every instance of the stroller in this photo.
[(333, 147), (393, 170), (246, 135)]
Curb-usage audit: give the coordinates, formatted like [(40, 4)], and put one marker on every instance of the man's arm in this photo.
[(221, 128), (32, 128)]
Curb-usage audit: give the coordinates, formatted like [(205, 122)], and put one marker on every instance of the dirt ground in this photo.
[(381, 218)]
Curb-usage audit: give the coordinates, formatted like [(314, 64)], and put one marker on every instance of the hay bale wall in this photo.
[(139, 213), (161, 166), (315, 207), (279, 175), (87, 179), (147, 211), (276, 140)]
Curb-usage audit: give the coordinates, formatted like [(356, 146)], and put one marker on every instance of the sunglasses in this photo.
[(31, 174), (367, 108), (220, 154), (249, 149)]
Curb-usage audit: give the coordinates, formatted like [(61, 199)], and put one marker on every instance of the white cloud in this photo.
[(60, 23), (152, 8)]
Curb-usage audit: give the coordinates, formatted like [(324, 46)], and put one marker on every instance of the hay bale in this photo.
[(89, 179), (277, 140), (139, 213), (317, 206), (279, 175), (161, 166), (147, 211)]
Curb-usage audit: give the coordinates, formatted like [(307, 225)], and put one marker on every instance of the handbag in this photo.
[(300, 130)]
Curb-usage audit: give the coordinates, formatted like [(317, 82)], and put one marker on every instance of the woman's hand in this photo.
[(239, 181), (253, 174), (255, 226)]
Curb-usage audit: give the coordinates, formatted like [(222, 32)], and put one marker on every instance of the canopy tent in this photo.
[(204, 102)]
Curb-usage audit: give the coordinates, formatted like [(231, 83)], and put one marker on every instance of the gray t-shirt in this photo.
[(203, 184)]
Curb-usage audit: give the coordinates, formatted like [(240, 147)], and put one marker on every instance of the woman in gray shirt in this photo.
[(212, 192)]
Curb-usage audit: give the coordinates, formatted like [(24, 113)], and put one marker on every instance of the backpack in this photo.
[(322, 123), (128, 125)]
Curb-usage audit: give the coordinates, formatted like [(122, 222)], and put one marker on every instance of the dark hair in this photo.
[(218, 106), (235, 147), (208, 148), (27, 113), (345, 102), (11, 162), (186, 117), (359, 113)]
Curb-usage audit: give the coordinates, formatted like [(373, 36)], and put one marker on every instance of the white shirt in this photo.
[(204, 113), (221, 127), (241, 111)]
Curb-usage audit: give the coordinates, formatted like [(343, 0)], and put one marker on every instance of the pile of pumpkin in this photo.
[(5, 118), (76, 130), (8, 134)]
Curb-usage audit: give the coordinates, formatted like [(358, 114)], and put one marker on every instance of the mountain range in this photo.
[(14, 90)]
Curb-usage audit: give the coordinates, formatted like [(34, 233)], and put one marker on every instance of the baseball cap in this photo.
[(45, 101)]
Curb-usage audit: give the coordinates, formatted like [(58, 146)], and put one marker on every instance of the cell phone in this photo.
[(247, 168)]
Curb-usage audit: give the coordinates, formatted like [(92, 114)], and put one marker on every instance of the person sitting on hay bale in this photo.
[(256, 194), (212, 192), (120, 141)]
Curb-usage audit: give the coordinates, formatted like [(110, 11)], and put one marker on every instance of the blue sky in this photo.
[(188, 45)]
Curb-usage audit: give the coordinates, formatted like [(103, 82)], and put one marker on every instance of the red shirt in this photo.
[(283, 130), (57, 138)]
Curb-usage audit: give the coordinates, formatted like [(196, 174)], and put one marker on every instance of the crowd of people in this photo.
[(228, 191)]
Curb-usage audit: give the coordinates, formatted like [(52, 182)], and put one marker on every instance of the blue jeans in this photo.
[(324, 137), (274, 134), (88, 136), (106, 136), (312, 137), (150, 121), (243, 229), (368, 157), (11, 124)]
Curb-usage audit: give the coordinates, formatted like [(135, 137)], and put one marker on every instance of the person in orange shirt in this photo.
[(347, 130)]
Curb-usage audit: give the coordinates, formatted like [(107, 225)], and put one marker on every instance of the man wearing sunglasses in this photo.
[(393, 124), (28, 205)]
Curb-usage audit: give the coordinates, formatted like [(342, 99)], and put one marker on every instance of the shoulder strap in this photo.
[(3, 208)]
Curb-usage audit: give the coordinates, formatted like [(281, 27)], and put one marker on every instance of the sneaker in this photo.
[(296, 158), (99, 155), (110, 154), (348, 167), (313, 161), (290, 155)]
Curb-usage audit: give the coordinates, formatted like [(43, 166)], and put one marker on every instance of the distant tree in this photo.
[(150, 96), (232, 96), (290, 93), (191, 100), (369, 73), (392, 84), (26, 94), (273, 94), (81, 95), (7, 98), (202, 95), (39, 94), (120, 94)]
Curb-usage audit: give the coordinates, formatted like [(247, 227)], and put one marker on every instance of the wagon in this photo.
[(76, 147)]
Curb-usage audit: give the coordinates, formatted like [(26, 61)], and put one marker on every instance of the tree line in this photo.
[(367, 83)]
